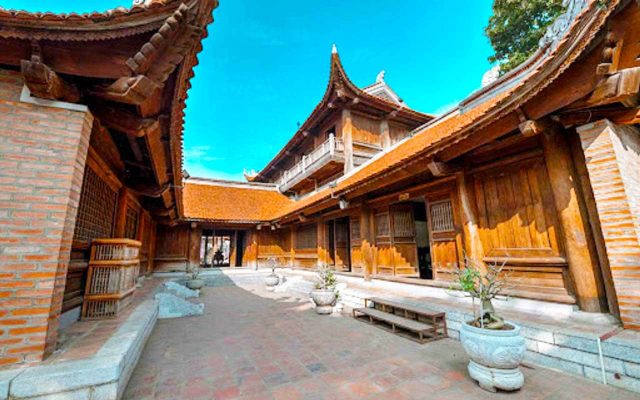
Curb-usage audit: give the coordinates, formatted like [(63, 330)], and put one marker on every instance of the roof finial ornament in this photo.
[(380, 77), (334, 49)]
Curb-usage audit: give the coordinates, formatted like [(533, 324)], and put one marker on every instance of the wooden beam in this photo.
[(617, 115), (157, 153), (621, 87), (530, 128), (125, 121), (43, 82), (129, 90), (440, 169)]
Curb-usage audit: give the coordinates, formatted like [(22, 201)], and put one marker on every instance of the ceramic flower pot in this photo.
[(195, 284), (324, 300), (495, 356), (271, 281)]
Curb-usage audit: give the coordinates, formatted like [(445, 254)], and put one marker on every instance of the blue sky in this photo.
[(265, 66)]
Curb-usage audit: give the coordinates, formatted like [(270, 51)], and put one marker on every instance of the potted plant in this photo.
[(272, 280), (494, 345), (324, 295), (193, 280)]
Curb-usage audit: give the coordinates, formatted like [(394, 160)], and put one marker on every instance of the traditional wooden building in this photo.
[(91, 115), (538, 169)]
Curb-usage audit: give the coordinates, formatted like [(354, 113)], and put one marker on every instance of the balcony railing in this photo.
[(331, 150)]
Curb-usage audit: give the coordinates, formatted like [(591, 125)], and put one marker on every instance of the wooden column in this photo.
[(121, 213), (367, 240), (347, 138), (233, 250), (292, 247), (469, 216), (578, 240), (385, 135), (322, 243), (195, 233)]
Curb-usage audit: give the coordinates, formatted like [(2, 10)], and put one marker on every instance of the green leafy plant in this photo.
[(515, 28), (326, 278), (483, 283)]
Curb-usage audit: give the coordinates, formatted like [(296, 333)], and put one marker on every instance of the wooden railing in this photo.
[(312, 161)]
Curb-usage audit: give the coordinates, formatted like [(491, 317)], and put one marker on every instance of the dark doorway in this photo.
[(425, 267), (215, 248), (239, 248)]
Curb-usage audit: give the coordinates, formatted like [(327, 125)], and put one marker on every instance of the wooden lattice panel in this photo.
[(355, 230), (382, 225), (403, 223), (441, 216), (111, 279), (131, 223), (96, 210)]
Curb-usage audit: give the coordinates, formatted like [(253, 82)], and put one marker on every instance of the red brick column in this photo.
[(43, 148), (612, 153)]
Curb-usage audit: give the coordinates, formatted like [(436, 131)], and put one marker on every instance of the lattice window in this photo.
[(403, 223), (131, 223), (307, 237), (382, 224), (355, 230), (441, 216), (96, 209)]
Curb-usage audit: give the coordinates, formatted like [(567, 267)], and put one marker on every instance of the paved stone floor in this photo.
[(251, 344)]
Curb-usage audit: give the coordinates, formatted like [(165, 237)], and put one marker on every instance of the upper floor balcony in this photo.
[(320, 164)]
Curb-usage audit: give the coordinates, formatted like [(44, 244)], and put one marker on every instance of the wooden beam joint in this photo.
[(44, 82)]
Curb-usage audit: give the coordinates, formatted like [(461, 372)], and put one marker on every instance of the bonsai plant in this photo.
[(324, 295), (272, 280), (193, 280), (495, 346)]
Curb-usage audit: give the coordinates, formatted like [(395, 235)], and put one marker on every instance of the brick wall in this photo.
[(42, 155), (612, 154)]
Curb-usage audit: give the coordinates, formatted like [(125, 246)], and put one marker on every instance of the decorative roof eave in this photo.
[(183, 84), (501, 98), (111, 24), (339, 86)]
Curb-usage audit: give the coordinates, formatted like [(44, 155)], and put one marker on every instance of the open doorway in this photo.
[(215, 248), (425, 269)]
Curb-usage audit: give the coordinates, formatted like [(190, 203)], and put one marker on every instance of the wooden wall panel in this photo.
[(365, 130)]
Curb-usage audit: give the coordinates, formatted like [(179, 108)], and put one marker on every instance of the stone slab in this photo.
[(172, 306), (181, 290)]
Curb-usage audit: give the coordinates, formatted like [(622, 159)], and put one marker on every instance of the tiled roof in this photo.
[(490, 103), (231, 202)]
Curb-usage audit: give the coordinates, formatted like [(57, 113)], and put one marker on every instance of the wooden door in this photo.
[(442, 235), (384, 254), (405, 251), (341, 236)]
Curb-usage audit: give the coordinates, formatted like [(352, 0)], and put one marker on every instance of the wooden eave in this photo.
[(340, 93), (486, 115), (135, 83)]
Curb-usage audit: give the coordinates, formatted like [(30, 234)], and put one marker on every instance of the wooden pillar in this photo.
[(194, 243), (385, 135), (347, 139), (121, 213), (233, 249), (367, 240), (578, 240), (292, 246), (469, 215), (322, 243)]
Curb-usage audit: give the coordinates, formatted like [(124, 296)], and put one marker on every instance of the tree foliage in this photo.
[(516, 27)]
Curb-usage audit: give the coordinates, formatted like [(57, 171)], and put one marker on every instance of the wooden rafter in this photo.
[(44, 82)]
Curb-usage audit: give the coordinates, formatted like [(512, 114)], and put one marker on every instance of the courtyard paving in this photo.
[(252, 344)]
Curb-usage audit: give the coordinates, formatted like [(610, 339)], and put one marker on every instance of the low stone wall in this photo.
[(101, 377), (570, 349)]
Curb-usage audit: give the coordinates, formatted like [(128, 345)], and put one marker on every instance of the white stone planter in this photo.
[(495, 356), (195, 284), (324, 300), (271, 281)]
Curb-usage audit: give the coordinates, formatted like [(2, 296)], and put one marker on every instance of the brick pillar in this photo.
[(612, 154), (43, 148)]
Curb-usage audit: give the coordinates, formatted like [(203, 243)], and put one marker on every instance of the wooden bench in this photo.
[(426, 324)]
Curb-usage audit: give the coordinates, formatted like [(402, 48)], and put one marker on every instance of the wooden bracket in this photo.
[(531, 128), (125, 121), (45, 83), (440, 169)]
